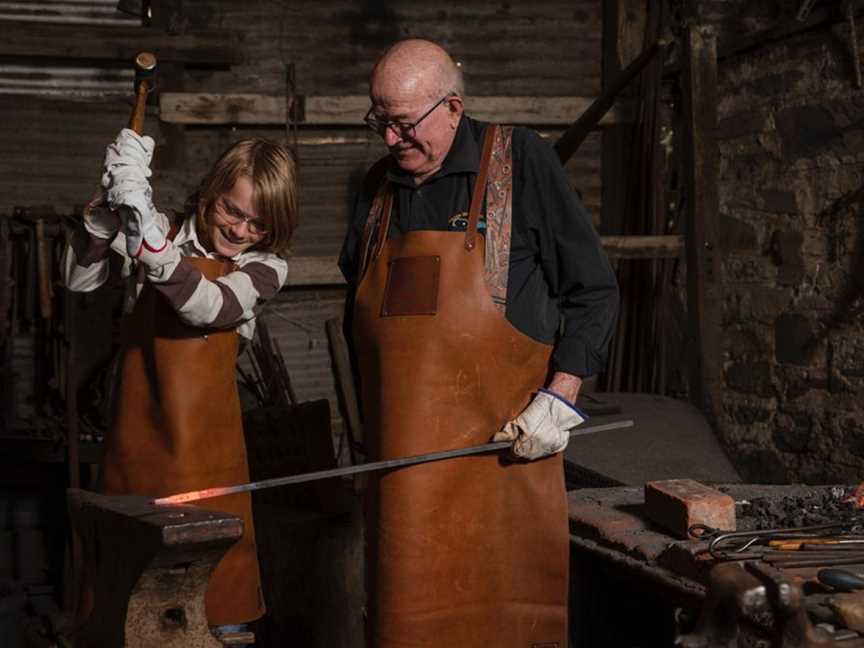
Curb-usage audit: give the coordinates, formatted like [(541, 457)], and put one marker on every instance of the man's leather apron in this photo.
[(178, 428), (468, 552)]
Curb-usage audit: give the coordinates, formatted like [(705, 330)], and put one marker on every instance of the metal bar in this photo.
[(783, 556), (816, 562), (573, 137), (193, 496)]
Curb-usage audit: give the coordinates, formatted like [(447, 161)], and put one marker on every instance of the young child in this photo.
[(195, 284)]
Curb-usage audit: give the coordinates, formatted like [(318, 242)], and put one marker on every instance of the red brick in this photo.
[(677, 504)]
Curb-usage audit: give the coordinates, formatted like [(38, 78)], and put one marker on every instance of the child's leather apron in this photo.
[(468, 552), (178, 428)]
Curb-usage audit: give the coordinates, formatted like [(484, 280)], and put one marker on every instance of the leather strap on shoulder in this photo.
[(379, 216), (499, 216), (479, 188)]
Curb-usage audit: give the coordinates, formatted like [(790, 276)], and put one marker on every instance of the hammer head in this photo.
[(145, 69)]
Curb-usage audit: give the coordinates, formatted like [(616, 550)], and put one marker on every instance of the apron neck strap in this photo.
[(479, 188)]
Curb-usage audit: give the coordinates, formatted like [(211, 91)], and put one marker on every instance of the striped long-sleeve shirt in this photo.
[(231, 300)]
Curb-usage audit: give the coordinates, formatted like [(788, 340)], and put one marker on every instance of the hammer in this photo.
[(145, 73)]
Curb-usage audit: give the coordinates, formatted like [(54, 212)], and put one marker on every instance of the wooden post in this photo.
[(700, 159), (623, 36)]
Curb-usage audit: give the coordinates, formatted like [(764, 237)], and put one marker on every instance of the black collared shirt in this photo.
[(561, 288)]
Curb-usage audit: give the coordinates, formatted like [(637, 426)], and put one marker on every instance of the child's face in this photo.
[(233, 223)]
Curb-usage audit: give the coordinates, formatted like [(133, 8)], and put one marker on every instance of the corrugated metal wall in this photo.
[(69, 81), (71, 12), (52, 145)]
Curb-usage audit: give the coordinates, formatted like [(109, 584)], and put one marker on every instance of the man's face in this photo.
[(421, 150)]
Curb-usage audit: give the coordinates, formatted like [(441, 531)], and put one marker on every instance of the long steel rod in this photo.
[(194, 496)]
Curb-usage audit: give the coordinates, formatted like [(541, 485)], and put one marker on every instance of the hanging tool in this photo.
[(849, 8), (804, 10), (194, 496)]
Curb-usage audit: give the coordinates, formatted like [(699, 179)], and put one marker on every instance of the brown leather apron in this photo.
[(178, 427), (469, 552)]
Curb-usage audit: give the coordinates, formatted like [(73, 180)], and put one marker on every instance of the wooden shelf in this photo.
[(216, 109), (323, 271)]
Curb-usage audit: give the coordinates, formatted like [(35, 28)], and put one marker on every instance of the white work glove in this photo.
[(124, 179), (99, 220), (543, 428)]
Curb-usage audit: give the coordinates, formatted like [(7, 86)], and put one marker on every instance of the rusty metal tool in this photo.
[(823, 561), (732, 593), (401, 462), (784, 554), (734, 545), (817, 544), (791, 626)]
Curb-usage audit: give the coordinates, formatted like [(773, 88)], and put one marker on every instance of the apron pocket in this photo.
[(412, 286)]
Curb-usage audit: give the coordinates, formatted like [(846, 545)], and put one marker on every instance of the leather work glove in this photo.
[(543, 428), (124, 179)]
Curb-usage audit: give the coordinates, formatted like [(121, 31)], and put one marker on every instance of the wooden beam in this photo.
[(324, 271), (596, 112), (643, 247), (313, 271), (552, 111), (23, 39), (214, 109), (348, 110), (700, 161)]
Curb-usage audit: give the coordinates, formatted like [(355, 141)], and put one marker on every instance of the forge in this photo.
[(765, 584)]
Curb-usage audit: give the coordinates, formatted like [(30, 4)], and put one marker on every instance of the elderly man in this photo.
[(480, 300)]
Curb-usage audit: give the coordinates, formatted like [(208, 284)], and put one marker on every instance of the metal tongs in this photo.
[(738, 545)]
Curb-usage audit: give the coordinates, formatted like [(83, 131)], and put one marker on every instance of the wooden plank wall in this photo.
[(52, 147), (547, 48)]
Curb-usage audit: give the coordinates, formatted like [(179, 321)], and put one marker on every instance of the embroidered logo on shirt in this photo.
[(458, 221)]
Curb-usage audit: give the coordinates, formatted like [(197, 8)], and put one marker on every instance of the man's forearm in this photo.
[(565, 385)]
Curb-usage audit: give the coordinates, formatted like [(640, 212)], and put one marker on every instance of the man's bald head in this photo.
[(417, 67), (416, 91)]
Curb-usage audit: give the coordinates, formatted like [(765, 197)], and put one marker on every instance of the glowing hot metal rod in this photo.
[(207, 493)]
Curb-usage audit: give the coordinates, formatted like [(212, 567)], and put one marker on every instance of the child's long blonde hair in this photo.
[(272, 170)]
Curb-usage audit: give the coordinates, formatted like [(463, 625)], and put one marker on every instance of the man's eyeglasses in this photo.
[(231, 217), (403, 130)]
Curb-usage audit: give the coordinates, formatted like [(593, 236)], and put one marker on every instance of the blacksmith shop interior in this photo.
[(398, 324)]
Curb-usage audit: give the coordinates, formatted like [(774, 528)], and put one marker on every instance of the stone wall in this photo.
[(791, 141)]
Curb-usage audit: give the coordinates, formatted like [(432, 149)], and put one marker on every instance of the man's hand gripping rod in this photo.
[(194, 496)]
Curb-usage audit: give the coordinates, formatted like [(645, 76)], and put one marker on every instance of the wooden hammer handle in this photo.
[(145, 66)]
